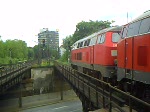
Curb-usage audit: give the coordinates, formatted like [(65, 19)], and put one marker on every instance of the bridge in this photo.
[(96, 94), (12, 74), (93, 93)]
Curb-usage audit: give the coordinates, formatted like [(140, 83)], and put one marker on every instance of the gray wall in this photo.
[(43, 79)]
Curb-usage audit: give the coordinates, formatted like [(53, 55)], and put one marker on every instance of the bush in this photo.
[(64, 57)]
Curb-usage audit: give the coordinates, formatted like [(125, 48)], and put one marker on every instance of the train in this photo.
[(118, 55)]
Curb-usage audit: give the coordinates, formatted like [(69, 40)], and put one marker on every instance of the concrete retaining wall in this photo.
[(43, 79)]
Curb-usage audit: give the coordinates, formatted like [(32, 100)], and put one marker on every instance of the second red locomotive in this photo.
[(133, 56)]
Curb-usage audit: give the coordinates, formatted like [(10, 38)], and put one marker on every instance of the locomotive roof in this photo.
[(144, 15), (115, 28)]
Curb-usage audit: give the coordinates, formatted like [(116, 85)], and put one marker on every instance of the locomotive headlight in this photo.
[(113, 52)]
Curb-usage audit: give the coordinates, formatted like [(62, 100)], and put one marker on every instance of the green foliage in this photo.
[(64, 57), (16, 49), (2, 49), (4, 60), (13, 51), (46, 63), (86, 28), (30, 53), (68, 41), (44, 52), (54, 54), (36, 51)]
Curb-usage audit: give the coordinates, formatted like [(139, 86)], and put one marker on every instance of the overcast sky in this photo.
[(23, 19)]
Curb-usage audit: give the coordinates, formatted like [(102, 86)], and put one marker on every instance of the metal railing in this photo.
[(100, 93), (9, 72)]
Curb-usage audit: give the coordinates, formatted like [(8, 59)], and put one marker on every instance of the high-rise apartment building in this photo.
[(49, 38)]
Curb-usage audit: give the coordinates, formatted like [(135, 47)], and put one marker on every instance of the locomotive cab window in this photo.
[(93, 41), (85, 43), (81, 44), (78, 45), (133, 29), (124, 32), (75, 46), (88, 42), (116, 37), (145, 26), (101, 39)]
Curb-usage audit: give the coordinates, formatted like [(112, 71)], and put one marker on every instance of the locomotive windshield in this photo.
[(116, 37)]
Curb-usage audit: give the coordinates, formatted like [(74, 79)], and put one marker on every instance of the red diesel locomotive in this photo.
[(134, 55), (95, 54)]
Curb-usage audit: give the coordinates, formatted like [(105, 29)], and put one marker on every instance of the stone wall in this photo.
[(43, 79)]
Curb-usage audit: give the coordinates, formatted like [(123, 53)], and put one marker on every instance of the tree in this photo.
[(2, 49), (84, 29), (13, 51), (18, 49), (36, 51), (30, 53), (68, 41)]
